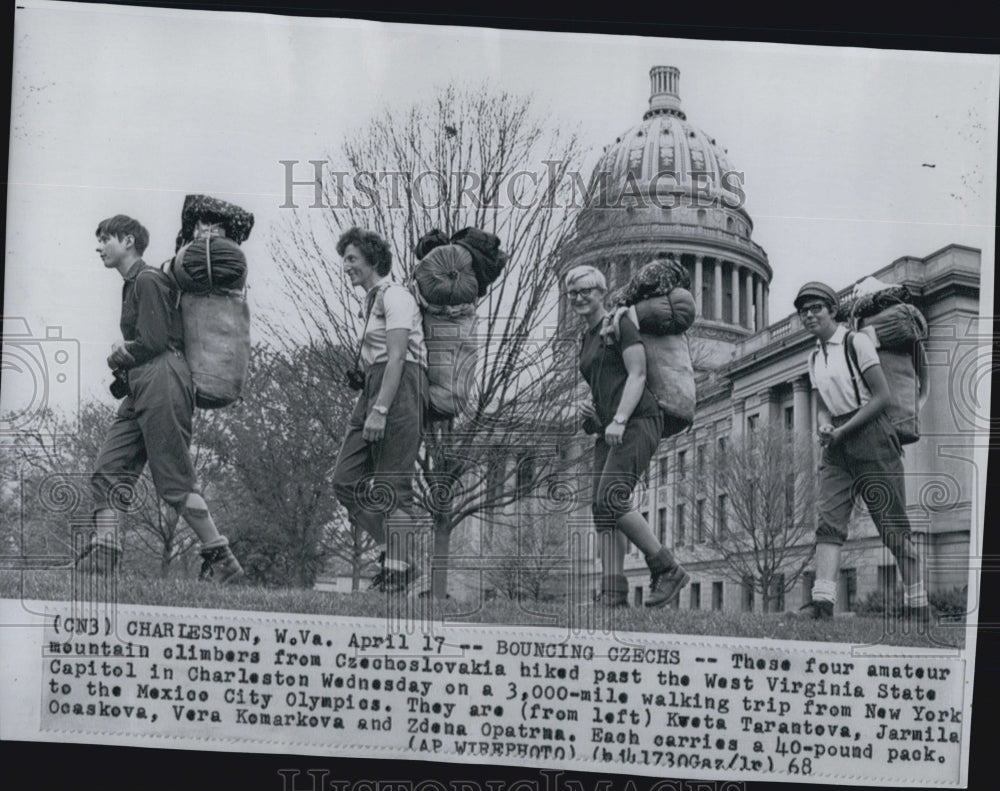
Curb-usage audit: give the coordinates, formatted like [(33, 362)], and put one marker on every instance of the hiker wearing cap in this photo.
[(628, 423), (861, 453), (153, 423), (373, 477)]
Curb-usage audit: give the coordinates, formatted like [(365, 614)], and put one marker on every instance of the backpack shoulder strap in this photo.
[(853, 366)]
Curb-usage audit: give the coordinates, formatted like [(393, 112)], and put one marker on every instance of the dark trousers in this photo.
[(867, 463), (373, 479), (618, 468), (153, 425)]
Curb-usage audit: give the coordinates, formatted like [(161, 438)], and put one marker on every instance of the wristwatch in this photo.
[(383, 411), (619, 420)]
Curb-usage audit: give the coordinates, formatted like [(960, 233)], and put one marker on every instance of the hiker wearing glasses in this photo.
[(373, 477), (861, 453), (628, 425)]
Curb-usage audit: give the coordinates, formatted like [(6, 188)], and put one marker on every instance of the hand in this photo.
[(613, 433), (120, 357), (374, 428), (825, 432)]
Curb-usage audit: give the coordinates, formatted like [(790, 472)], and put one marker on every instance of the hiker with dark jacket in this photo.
[(373, 477), (629, 424), (154, 419), (861, 453)]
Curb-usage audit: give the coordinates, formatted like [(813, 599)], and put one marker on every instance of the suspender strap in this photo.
[(851, 355)]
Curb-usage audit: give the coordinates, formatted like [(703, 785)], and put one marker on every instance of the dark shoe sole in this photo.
[(672, 589)]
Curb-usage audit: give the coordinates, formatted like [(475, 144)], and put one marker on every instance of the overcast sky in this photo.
[(127, 110)]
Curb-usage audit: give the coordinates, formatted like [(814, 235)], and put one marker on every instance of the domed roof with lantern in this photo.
[(666, 188)]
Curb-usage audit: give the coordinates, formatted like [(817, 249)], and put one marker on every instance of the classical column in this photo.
[(760, 305), (748, 284), (802, 414), (764, 312), (739, 416), (717, 284), (698, 285), (735, 318)]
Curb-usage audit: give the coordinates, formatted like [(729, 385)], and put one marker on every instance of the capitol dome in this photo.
[(667, 188)]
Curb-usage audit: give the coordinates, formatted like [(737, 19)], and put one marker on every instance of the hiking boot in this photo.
[(665, 586), (220, 565), (614, 593), (817, 609), (99, 558), (378, 579), (396, 580)]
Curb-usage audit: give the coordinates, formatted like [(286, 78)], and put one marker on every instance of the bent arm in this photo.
[(634, 357), (396, 342), (881, 398)]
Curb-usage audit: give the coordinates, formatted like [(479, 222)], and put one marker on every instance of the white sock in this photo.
[(825, 590), (915, 595)]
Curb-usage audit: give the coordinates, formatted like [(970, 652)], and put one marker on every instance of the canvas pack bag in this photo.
[(216, 324)]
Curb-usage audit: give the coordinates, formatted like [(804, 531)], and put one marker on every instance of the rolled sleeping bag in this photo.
[(216, 345), (211, 262), (452, 357), (445, 277), (667, 314)]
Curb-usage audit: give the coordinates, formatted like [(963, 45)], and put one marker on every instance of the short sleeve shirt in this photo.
[(603, 367), (394, 308), (831, 377)]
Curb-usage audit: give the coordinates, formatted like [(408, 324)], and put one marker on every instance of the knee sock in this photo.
[(195, 513), (106, 528), (915, 595), (825, 590)]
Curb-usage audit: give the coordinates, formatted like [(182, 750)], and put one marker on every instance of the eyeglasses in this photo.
[(580, 292), (812, 310)]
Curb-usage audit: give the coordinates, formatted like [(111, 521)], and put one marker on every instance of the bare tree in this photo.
[(274, 455), (758, 502), (467, 158)]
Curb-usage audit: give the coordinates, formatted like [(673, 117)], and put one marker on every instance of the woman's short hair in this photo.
[(372, 246), (585, 277)]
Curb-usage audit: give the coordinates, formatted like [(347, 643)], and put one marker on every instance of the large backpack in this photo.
[(216, 324), (906, 374), (669, 371), (452, 355)]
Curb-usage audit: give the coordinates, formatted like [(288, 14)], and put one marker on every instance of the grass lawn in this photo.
[(559, 614)]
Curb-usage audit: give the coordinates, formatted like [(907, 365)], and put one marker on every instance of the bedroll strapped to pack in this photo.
[(216, 321)]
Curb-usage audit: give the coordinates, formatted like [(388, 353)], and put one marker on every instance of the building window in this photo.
[(747, 595), (695, 595), (525, 476), (638, 596), (722, 515), (790, 498), (716, 595), (789, 423), (777, 593), (664, 467), (720, 447), (891, 594), (808, 580), (753, 421), (848, 588), (700, 460), (699, 515), (661, 525), (679, 527), (681, 463)]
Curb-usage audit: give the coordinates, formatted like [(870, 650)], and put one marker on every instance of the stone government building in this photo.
[(752, 374)]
